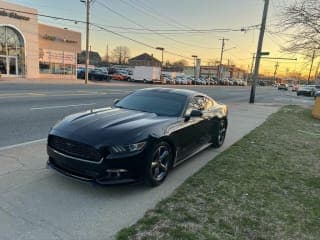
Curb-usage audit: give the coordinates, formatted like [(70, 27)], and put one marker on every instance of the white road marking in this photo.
[(22, 144), (64, 106)]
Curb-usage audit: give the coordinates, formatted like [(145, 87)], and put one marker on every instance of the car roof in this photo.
[(185, 92)]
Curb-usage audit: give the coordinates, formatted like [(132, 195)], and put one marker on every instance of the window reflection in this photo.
[(11, 45)]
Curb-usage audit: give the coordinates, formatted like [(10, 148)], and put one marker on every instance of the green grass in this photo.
[(266, 186)]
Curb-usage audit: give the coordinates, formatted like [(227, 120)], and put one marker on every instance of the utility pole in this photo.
[(162, 50), (251, 69), (221, 57), (194, 65), (87, 2), (107, 56), (276, 66), (317, 72), (312, 59), (259, 49)]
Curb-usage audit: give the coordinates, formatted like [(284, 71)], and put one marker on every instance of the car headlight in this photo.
[(127, 148)]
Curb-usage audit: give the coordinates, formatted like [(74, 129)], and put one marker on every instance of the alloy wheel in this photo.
[(160, 162)]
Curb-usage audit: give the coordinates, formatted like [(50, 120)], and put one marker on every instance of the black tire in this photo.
[(220, 134), (159, 160)]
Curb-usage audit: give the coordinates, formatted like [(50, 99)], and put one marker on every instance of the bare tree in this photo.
[(301, 22), (121, 54)]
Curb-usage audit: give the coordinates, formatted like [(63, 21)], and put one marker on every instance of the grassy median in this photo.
[(266, 186)]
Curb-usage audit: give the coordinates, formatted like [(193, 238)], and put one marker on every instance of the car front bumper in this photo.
[(107, 172)]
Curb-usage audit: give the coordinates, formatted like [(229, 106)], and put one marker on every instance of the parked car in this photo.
[(305, 90), (263, 83), (169, 80), (98, 74), (121, 75), (140, 138), (183, 80), (80, 73), (283, 87), (317, 94), (314, 90)]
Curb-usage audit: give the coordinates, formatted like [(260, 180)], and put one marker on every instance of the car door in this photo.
[(210, 118), (189, 131)]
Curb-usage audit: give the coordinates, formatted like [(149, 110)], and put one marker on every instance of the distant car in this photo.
[(141, 137), (314, 90), (305, 90), (98, 74), (200, 81), (169, 80), (80, 73), (122, 76), (283, 87)]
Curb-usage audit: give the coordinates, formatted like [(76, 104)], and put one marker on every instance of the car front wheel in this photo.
[(219, 137), (158, 163)]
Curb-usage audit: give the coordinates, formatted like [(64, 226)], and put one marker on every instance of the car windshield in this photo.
[(161, 103)]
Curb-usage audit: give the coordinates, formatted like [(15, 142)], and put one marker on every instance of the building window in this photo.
[(57, 62), (12, 61)]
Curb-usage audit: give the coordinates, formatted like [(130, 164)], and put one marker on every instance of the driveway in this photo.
[(38, 203)]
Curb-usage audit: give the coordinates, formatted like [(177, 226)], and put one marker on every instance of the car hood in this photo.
[(110, 126)]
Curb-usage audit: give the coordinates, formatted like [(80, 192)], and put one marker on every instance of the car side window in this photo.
[(208, 104), (196, 103)]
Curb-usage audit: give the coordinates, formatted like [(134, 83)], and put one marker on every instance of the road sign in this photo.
[(265, 53)]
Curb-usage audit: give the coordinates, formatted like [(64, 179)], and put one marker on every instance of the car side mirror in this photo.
[(196, 113), (193, 113), (116, 101)]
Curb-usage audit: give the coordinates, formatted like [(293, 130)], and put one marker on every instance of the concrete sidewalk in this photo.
[(37, 203)]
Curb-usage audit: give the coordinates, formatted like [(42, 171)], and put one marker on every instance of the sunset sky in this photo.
[(179, 15)]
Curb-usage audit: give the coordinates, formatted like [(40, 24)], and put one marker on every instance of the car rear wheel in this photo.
[(219, 137), (158, 163)]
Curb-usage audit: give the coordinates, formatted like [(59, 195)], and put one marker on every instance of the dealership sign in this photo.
[(57, 39), (13, 15)]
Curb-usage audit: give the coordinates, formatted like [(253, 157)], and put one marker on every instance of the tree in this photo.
[(180, 64), (94, 58), (120, 54), (301, 20)]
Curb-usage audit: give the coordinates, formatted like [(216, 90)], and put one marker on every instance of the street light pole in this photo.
[(162, 50), (87, 2), (259, 49), (312, 59), (275, 71)]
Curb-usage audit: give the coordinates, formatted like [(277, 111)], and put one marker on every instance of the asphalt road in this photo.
[(38, 203), (27, 111)]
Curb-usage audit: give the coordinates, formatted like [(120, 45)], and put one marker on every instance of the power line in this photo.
[(140, 7), (95, 25), (148, 8), (148, 29), (137, 41)]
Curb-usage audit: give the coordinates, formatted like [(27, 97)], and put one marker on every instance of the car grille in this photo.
[(74, 149)]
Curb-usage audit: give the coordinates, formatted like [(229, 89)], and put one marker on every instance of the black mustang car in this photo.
[(140, 138)]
